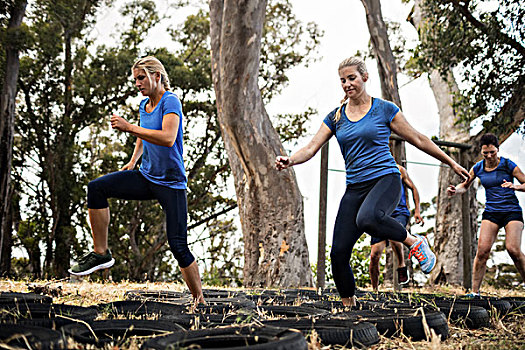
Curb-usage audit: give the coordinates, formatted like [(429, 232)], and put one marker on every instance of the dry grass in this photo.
[(506, 332)]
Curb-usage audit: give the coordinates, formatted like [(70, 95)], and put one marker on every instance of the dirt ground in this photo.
[(506, 332)]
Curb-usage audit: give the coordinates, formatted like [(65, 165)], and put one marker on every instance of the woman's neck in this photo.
[(363, 99), (492, 164), (154, 99)]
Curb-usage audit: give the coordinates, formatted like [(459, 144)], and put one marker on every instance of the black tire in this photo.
[(473, 317), (46, 315), (11, 297), (407, 321), (232, 338), (135, 308), (334, 331), (291, 311), (488, 303), (105, 332), (225, 305), (155, 295), (517, 304), (222, 293), (37, 337)]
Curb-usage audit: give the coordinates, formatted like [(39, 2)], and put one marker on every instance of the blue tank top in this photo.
[(160, 164), (402, 207), (498, 198), (364, 144)]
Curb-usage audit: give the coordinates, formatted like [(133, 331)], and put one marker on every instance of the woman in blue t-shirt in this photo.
[(161, 175), (502, 208), (362, 126)]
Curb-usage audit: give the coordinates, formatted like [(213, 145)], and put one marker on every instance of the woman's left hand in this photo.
[(458, 169), (119, 123)]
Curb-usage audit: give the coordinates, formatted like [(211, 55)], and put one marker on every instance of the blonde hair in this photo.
[(361, 68), (152, 65)]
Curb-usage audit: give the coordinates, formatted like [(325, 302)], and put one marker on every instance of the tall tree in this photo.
[(63, 93), (270, 204), (16, 10), (492, 66)]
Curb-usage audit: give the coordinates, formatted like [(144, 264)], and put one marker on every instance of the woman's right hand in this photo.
[(282, 162), (451, 190), (129, 166)]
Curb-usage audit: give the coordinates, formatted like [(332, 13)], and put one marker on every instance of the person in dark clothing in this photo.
[(161, 175), (502, 208), (402, 215), (362, 125)]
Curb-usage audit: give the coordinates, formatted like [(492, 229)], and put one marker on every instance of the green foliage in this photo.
[(484, 42), (68, 87)]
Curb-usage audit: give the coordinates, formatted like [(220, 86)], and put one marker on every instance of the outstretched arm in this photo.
[(401, 127), (415, 194), (518, 174), (304, 154), (462, 187)]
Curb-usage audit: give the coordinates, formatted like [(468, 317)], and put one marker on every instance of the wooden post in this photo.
[(467, 234), (321, 243)]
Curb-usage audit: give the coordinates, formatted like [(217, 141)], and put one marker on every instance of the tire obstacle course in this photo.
[(265, 319)]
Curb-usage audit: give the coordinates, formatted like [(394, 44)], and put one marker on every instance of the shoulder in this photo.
[(385, 104), (507, 163), (477, 167), (142, 104), (171, 103), (330, 117), (170, 97)]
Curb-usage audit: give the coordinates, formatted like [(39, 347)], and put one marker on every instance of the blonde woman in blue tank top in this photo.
[(362, 126), (502, 208)]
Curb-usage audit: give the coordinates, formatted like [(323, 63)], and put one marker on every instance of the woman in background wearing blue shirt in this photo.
[(161, 175), (362, 126), (502, 208)]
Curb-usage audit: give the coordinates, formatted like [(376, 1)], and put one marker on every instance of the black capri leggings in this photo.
[(131, 184), (365, 207)]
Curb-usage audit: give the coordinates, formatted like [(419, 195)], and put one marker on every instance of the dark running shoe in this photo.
[(402, 275), (92, 262)]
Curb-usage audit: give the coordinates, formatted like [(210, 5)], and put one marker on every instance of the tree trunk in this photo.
[(270, 204), (387, 68), (453, 231), (7, 120)]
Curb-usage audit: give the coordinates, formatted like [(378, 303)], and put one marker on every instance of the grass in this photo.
[(506, 332)]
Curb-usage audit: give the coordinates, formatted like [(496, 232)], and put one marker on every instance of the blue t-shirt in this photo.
[(160, 164), (364, 144), (402, 208), (498, 198)]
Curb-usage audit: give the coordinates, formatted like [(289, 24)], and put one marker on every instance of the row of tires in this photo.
[(231, 319)]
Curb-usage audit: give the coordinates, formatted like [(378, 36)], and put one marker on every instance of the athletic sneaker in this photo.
[(423, 254), (92, 262), (402, 275), (472, 295)]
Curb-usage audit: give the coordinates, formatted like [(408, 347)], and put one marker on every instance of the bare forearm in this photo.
[(426, 145), (157, 137)]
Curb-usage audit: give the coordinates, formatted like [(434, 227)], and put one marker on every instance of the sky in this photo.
[(345, 32)]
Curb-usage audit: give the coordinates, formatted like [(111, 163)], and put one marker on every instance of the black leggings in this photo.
[(365, 207), (131, 184)]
